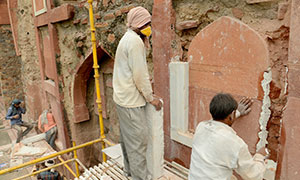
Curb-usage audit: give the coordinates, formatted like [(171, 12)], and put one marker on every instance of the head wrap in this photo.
[(138, 17), (16, 101)]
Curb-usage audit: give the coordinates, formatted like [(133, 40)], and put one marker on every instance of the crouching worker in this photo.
[(217, 149), (46, 124), (49, 174), (14, 114)]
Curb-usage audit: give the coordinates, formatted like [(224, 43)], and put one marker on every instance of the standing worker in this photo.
[(218, 150), (14, 114), (46, 124), (132, 90)]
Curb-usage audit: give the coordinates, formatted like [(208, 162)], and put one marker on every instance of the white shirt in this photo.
[(131, 83), (217, 151)]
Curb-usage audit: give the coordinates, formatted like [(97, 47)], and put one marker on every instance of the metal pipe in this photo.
[(45, 169), (76, 163), (50, 156), (108, 142), (96, 67), (68, 167), (80, 163)]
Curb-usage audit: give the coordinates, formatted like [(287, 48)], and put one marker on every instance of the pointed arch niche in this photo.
[(82, 74)]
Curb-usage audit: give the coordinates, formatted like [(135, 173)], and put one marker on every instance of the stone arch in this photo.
[(228, 56), (81, 76)]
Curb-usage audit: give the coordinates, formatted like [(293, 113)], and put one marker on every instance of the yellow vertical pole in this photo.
[(76, 163), (96, 67)]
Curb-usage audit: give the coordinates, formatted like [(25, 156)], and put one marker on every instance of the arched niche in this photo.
[(82, 74)]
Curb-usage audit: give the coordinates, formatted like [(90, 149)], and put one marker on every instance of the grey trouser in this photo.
[(133, 140), (51, 136), (18, 127)]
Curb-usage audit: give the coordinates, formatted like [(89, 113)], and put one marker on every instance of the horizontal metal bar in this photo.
[(45, 169), (50, 156)]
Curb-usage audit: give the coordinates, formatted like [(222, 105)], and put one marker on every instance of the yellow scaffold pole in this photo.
[(96, 67)]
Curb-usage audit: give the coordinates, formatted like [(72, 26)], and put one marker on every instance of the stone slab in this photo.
[(225, 50), (294, 82), (290, 141), (49, 65), (227, 56), (155, 149), (294, 40), (4, 17), (58, 14), (12, 11)]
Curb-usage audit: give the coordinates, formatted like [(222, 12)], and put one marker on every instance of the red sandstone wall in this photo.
[(182, 20), (10, 68)]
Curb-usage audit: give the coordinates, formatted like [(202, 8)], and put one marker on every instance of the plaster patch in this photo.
[(286, 80), (265, 111)]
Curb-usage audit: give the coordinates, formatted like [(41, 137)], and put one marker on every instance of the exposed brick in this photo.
[(126, 9), (97, 16), (105, 2), (118, 13), (109, 16), (111, 38), (10, 71), (294, 83), (282, 9), (274, 91), (77, 21), (257, 1), (187, 25), (101, 24), (84, 21), (79, 44), (238, 13)]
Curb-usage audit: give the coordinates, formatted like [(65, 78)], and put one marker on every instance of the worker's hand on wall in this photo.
[(156, 102), (244, 107)]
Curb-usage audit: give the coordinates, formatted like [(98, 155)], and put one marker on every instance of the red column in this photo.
[(289, 164)]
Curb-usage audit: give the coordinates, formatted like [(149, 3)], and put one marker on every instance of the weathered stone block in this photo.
[(118, 13), (282, 9), (97, 16), (84, 21), (238, 13), (294, 39), (4, 18), (111, 38), (101, 24), (105, 3), (187, 25), (290, 142), (294, 83), (109, 16), (257, 1)]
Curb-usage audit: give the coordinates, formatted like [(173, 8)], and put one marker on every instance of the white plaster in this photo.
[(265, 112), (271, 167), (286, 80), (155, 149), (179, 99)]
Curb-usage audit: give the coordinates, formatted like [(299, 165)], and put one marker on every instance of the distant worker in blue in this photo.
[(14, 114)]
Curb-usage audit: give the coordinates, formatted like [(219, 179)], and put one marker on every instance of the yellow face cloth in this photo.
[(147, 31)]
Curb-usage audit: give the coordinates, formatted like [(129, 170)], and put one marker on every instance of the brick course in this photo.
[(10, 68)]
